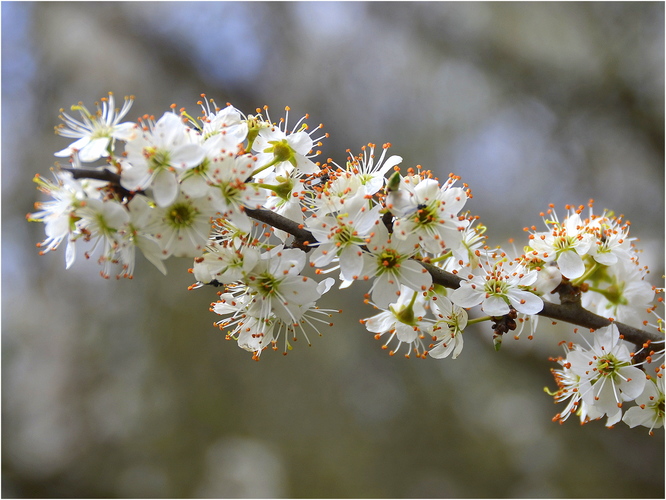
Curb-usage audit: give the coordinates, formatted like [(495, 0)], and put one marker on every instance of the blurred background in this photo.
[(125, 389)]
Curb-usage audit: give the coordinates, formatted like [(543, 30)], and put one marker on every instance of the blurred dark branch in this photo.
[(101, 175)]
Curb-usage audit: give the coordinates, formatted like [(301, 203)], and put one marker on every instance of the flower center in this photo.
[(266, 284), (100, 130), (390, 258), (181, 215), (608, 365), (344, 236), (426, 214), (231, 190), (563, 243), (158, 159), (496, 287)]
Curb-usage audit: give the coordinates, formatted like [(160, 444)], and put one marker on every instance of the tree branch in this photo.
[(89, 173), (302, 237), (570, 311), (100, 175)]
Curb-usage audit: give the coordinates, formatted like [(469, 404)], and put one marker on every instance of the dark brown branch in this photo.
[(575, 313), (100, 175), (88, 173), (302, 236), (441, 277), (569, 311)]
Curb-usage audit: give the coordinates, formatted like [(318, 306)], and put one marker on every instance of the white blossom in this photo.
[(97, 131), (566, 243), (155, 158), (607, 376), (649, 411), (448, 329), (501, 286), (403, 321), (388, 261), (182, 228), (429, 212), (341, 237)]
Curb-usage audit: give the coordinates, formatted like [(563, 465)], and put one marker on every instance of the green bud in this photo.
[(394, 182), (497, 342)]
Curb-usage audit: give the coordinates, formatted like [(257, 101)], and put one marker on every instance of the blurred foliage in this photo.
[(125, 389)]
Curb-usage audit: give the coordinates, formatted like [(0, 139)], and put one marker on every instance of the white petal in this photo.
[(404, 228), (495, 306), (195, 186), (323, 255), (294, 295), (441, 351), (638, 416), (384, 292), (240, 219), (427, 190), (95, 150), (306, 166), (400, 202), (579, 361), (325, 285), (187, 156), (115, 215), (571, 264), (390, 162), (351, 262), (614, 418), (373, 185), (525, 302), (125, 131), (70, 254), (261, 144), (301, 142), (406, 333), (466, 296), (76, 145), (152, 251), (165, 188), (459, 346), (603, 396), (454, 199), (380, 323), (414, 275), (635, 383), (135, 178), (168, 131), (605, 258)]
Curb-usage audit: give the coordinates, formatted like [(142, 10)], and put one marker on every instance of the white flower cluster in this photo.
[(597, 254), (173, 175), (405, 321), (597, 381), (197, 187)]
